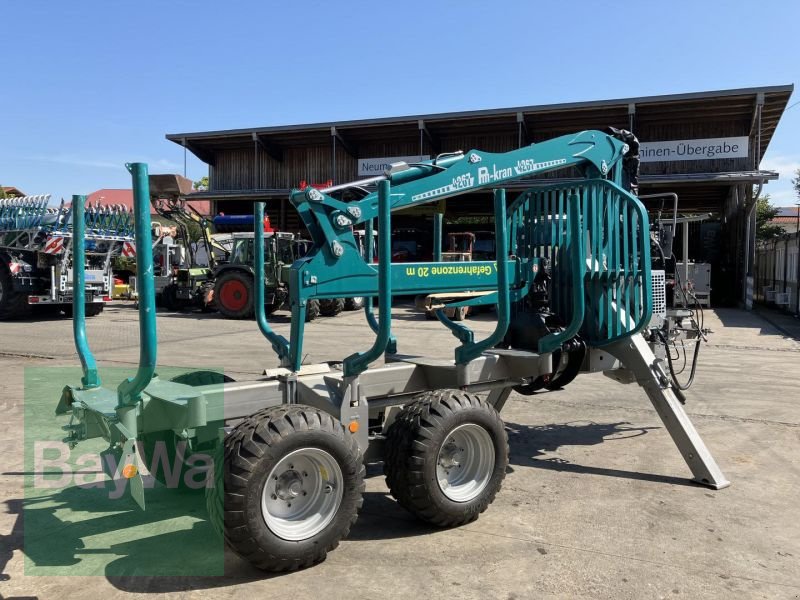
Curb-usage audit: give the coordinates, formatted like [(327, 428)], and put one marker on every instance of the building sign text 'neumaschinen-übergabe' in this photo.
[(368, 167), (706, 149)]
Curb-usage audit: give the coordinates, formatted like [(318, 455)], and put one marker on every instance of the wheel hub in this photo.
[(451, 455), (289, 485), (465, 462), (233, 295), (302, 494)]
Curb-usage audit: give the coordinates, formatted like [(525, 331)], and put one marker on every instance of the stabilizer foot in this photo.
[(635, 354)]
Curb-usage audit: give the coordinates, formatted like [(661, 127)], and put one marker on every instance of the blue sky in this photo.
[(90, 85)]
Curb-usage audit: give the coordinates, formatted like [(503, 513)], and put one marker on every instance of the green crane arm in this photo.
[(327, 218), (335, 268)]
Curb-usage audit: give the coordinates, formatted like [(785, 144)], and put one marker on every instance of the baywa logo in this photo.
[(169, 463)]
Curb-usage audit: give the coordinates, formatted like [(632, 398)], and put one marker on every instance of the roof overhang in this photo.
[(535, 121)]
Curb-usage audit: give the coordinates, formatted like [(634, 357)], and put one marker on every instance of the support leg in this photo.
[(635, 354)]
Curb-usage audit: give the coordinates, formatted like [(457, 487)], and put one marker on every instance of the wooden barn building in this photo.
[(706, 147)]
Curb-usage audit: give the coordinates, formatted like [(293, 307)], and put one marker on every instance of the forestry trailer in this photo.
[(288, 450)]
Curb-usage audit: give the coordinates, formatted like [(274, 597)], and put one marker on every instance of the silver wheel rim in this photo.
[(302, 494), (465, 462)]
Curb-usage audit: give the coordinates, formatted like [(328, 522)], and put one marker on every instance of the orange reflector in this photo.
[(129, 471), (353, 427)]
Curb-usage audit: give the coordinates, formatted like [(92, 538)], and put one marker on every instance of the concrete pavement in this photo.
[(596, 503)]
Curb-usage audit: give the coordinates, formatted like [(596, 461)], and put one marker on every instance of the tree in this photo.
[(201, 184), (765, 212)]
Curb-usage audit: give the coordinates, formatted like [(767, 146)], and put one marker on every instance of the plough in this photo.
[(572, 288)]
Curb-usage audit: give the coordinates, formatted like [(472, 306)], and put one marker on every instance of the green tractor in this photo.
[(234, 280)]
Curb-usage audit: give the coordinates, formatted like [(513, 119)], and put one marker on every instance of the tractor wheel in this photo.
[(331, 307), (289, 487), (446, 457), (12, 304), (356, 303), (233, 293), (312, 310)]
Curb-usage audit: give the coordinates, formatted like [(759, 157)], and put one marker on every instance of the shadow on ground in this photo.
[(172, 547), (767, 321), (530, 442)]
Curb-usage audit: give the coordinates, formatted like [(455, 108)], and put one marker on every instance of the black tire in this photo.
[(563, 374), (331, 307), (312, 310), (171, 442), (356, 303), (252, 450), (413, 446), (160, 446), (233, 294), (566, 375), (200, 378), (94, 309), (271, 308), (12, 304)]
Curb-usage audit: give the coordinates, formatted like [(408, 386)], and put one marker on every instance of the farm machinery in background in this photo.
[(234, 279), (36, 259), (286, 453), (187, 267)]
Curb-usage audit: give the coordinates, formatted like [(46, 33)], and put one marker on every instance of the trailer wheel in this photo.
[(312, 310), (356, 303), (164, 455), (233, 292), (446, 457), (170, 442), (331, 307), (200, 378), (293, 482)]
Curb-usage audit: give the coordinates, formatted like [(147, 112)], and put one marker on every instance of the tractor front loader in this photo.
[(573, 291)]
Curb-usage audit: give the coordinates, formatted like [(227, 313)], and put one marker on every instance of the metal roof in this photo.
[(562, 117)]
